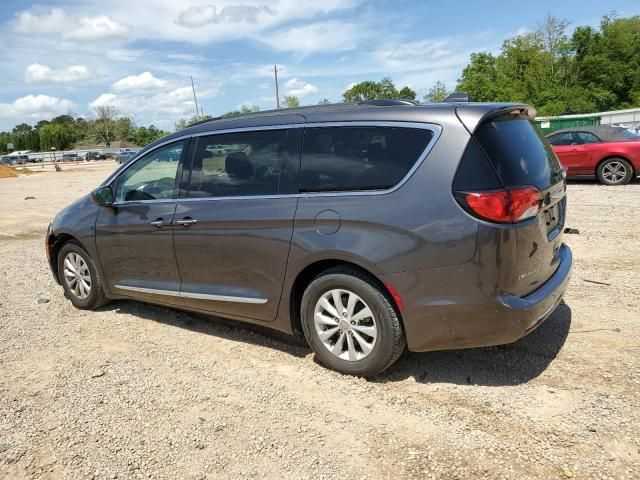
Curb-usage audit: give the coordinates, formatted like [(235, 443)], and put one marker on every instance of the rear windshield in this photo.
[(519, 153)]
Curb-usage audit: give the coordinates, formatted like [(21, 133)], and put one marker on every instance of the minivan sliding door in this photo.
[(236, 220)]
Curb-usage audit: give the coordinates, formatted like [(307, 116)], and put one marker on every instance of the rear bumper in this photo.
[(457, 313)]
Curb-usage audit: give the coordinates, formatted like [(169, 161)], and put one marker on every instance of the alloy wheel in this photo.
[(77, 275), (345, 325), (614, 172)]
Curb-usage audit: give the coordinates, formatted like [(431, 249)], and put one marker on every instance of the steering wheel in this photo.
[(158, 186)]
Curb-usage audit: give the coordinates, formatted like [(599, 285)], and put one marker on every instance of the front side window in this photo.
[(151, 177), (562, 139), (359, 158), (586, 137), (262, 162)]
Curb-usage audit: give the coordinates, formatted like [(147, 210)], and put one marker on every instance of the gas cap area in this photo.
[(327, 222)]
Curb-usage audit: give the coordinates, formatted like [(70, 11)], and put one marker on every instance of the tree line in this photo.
[(65, 131), (593, 69)]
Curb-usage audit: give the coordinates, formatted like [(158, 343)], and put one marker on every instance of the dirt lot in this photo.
[(139, 391)]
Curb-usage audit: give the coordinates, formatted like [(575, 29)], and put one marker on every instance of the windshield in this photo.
[(629, 135)]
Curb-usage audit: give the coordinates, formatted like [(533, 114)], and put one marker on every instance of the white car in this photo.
[(635, 129)]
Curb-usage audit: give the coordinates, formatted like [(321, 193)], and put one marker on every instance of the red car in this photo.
[(610, 154)]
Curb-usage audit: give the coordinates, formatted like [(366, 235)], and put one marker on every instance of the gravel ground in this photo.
[(140, 391)]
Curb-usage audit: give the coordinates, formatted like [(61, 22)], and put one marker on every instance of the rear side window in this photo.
[(519, 153), (263, 162), (359, 158)]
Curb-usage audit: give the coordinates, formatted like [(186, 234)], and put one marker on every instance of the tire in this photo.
[(364, 345), (80, 261), (614, 171)]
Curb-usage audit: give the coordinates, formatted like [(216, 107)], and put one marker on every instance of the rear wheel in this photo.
[(79, 277), (614, 171), (350, 324)]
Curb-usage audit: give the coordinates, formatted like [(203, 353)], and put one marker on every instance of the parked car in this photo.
[(124, 156), (95, 156), (17, 159), (635, 129), (71, 157), (610, 154), (391, 225), (9, 160), (34, 160)]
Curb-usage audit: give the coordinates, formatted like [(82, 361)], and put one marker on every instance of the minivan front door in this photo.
[(237, 220), (134, 238)]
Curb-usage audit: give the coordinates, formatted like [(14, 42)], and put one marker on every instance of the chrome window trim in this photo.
[(434, 128), (198, 296)]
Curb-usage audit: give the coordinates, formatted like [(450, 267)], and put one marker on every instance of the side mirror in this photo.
[(102, 196)]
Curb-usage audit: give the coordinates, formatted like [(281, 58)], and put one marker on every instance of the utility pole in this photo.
[(195, 99), (275, 72)]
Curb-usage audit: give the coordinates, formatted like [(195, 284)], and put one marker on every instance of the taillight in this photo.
[(502, 206)]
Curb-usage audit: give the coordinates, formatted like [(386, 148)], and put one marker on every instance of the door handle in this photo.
[(158, 222), (186, 221)]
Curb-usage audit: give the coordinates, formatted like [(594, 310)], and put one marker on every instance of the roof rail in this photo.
[(206, 120), (457, 97), (387, 102)]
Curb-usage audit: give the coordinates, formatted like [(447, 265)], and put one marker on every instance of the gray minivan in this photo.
[(367, 228)]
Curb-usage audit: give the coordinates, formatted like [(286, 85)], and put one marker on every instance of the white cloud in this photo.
[(35, 107), (152, 100), (95, 28), (144, 81), (198, 16), (54, 21), (332, 36), (38, 73), (420, 53), (57, 21), (298, 88), (126, 54), (171, 20)]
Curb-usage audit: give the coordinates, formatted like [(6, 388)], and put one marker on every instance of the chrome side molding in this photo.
[(198, 296)]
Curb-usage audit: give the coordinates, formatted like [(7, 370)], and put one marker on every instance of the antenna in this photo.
[(275, 72), (195, 98)]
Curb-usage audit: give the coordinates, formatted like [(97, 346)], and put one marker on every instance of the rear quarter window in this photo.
[(519, 153), (359, 158)]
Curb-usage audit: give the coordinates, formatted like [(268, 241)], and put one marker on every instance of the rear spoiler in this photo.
[(471, 115)]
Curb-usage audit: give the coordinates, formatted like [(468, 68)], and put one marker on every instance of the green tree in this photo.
[(144, 135), (595, 69), (370, 90), (407, 93), (56, 135), (243, 110), (290, 101), (25, 137), (437, 93)]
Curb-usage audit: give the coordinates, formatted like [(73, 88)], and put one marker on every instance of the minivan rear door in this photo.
[(522, 157), (234, 221)]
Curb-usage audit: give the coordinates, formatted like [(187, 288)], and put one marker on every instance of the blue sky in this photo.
[(68, 56)]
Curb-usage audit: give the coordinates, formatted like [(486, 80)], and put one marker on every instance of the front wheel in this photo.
[(79, 277), (350, 323), (614, 171)]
